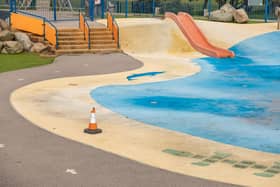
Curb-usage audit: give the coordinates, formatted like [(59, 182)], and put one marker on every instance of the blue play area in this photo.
[(234, 101)]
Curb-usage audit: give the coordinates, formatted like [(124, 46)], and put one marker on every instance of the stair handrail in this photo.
[(84, 27), (113, 26), (45, 20)]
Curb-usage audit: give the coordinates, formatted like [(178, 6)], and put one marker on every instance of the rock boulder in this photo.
[(39, 48), (4, 51), (13, 47), (6, 35), (4, 25), (220, 15), (240, 16), (225, 14), (24, 39), (227, 8)]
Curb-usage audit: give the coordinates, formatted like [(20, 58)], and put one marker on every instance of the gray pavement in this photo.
[(32, 157)]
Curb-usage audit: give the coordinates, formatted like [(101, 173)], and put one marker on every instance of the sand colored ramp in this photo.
[(154, 37), (196, 37)]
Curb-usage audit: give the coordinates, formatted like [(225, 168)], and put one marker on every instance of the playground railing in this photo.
[(82, 23), (113, 26), (84, 27), (150, 8), (27, 23), (87, 34), (35, 24), (51, 33)]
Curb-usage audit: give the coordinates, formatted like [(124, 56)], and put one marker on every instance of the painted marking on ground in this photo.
[(203, 161), (150, 74), (2, 145), (71, 171), (20, 79)]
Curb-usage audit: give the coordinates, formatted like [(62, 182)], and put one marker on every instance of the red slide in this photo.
[(196, 37)]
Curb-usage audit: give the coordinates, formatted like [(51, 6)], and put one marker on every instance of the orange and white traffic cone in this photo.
[(92, 127)]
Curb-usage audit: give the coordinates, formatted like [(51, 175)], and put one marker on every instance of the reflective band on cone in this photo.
[(92, 127)]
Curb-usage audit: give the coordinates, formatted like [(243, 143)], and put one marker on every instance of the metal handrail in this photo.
[(84, 31), (89, 40), (114, 22)]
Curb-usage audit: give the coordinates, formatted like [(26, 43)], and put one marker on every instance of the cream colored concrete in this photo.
[(63, 108), (227, 34)]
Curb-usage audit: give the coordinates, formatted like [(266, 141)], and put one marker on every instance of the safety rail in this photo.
[(51, 33), (84, 27), (35, 24), (113, 26)]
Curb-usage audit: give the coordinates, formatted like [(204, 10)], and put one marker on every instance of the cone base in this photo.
[(92, 131)]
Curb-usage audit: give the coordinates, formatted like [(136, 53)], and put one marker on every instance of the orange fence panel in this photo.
[(110, 22), (84, 27), (116, 33), (87, 35), (27, 23), (82, 22), (112, 26), (50, 34)]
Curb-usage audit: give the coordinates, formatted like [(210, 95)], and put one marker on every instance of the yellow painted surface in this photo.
[(27, 23), (82, 23), (50, 34)]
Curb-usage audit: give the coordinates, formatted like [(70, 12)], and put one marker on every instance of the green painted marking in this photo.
[(222, 155), (264, 174), (241, 166), (276, 167), (247, 162), (177, 153), (210, 160), (198, 156), (229, 161), (216, 157), (201, 163), (272, 171), (258, 166)]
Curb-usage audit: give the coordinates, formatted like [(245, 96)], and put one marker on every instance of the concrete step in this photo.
[(70, 33), (110, 41), (104, 46), (101, 37), (81, 51), (100, 32), (72, 42), (81, 46), (72, 38), (106, 51), (71, 51), (69, 30)]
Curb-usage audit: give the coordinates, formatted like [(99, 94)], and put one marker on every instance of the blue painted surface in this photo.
[(233, 101), (150, 74)]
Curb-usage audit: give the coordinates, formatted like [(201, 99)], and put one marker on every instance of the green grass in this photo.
[(21, 61)]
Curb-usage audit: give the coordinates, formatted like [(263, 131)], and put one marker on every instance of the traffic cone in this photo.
[(92, 127)]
